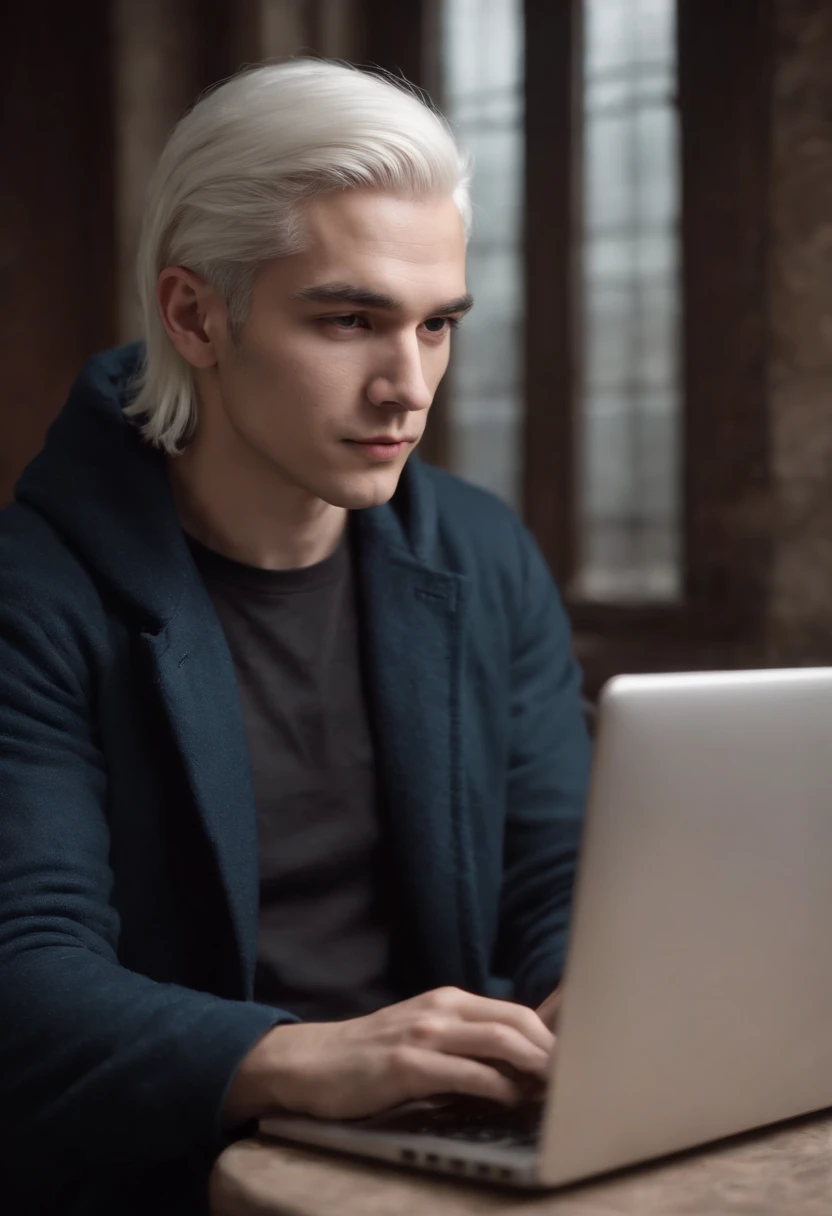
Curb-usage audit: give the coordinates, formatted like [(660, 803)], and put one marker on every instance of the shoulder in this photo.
[(477, 532), (44, 586), (473, 518), (479, 536)]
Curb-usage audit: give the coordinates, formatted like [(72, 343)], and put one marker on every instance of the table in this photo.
[(782, 1172)]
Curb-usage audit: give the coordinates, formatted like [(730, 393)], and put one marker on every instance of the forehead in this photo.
[(412, 249)]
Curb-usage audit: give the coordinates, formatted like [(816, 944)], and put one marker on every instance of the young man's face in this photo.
[(347, 342)]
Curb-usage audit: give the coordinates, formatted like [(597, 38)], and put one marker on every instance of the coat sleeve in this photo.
[(98, 1064), (549, 757)]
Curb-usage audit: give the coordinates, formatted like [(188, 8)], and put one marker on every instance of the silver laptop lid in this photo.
[(698, 987)]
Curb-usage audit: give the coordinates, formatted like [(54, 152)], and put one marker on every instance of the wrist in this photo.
[(251, 1092)]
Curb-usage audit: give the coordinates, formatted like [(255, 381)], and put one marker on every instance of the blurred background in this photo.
[(647, 376)]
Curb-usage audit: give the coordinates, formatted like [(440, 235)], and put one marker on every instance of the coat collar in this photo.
[(106, 491), (107, 494)]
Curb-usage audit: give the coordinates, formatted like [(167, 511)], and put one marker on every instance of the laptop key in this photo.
[(490, 1135), (483, 1123)]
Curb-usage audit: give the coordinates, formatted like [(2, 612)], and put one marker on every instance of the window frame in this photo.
[(724, 66)]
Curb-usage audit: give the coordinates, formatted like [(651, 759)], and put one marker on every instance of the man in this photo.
[(291, 756)]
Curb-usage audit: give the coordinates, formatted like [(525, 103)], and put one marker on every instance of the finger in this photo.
[(421, 1073), (486, 1009), (483, 1041)]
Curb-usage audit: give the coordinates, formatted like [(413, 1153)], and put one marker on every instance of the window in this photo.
[(628, 395), (629, 404), (481, 52)]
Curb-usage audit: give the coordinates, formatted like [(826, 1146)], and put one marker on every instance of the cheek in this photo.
[(435, 364), (321, 367), (295, 368)]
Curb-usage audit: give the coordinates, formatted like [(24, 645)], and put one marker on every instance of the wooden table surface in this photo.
[(782, 1172)]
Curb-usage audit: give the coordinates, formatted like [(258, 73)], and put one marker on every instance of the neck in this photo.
[(247, 512)]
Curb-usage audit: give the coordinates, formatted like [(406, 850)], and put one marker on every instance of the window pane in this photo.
[(482, 89), (628, 510)]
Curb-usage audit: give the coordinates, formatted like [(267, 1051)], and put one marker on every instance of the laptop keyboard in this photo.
[(472, 1122)]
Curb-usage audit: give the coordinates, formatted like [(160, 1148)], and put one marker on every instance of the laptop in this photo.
[(697, 993)]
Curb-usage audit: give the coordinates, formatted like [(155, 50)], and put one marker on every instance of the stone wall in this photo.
[(800, 367)]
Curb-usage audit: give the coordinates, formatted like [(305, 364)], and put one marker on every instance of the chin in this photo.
[(356, 492)]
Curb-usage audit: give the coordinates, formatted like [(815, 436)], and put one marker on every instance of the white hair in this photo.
[(224, 197)]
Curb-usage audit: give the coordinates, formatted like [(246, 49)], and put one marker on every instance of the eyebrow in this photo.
[(348, 293)]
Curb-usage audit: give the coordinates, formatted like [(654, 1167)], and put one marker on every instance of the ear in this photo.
[(192, 314)]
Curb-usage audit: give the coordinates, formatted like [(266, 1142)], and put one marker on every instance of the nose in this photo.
[(401, 382)]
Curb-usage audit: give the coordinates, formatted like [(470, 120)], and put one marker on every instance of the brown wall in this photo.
[(800, 367), (56, 215)]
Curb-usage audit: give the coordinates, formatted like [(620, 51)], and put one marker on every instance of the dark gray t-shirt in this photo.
[(324, 944)]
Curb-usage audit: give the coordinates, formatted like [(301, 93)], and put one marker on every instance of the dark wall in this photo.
[(56, 222)]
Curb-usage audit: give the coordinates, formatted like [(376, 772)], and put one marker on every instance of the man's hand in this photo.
[(442, 1042)]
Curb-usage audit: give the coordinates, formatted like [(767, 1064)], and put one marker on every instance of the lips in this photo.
[(382, 439), (379, 449)]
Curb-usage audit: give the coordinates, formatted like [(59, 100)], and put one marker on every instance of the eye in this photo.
[(348, 321), (438, 325)]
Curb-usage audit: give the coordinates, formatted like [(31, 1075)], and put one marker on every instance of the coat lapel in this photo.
[(415, 621), (198, 687)]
